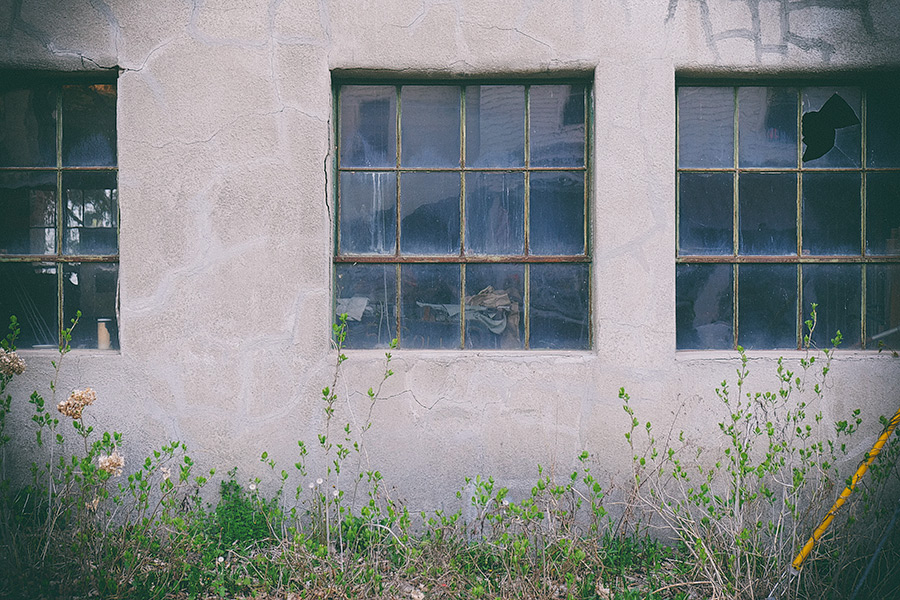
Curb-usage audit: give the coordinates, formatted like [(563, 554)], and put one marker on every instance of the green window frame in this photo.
[(59, 239), (462, 213), (788, 195)]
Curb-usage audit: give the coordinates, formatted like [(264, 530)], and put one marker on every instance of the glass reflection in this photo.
[(368, 125), (837, 290), (832, 213), (91, 288), (495, 213), (557, 125), (705, 127), (429, 126), (494, 295), (29, 292), (768, 126), (556, 217), (91, 213), (883, 213), (704, 307), (429, 213), (767, 306), (368, 213), (89, 125), (367, 294), (559, 310), (495, 126), (28, 116), (767, 213), (883, 306), (882, 126), (429, 306), (27, 213), (705, 205)]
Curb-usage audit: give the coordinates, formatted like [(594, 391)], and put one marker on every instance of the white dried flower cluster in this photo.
[(112, 464), (10, 363), (76, 402)]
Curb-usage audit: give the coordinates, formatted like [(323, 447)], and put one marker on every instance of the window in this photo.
[(59, 249), (462, 215), (788, 196)]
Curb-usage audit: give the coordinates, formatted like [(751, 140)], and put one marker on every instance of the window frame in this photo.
[(60, 259), (399, 258), (862, 82)]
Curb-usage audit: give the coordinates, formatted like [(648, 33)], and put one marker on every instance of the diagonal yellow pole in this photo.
[(829, 516)]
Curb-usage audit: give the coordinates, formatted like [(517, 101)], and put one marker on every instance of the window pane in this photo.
[(368, 213), (28, 122), (831, 213), (883, 213), (557, 125), (429, 312), (883, 306), (706, 206), (495, 126), (89, 125), (836, 289), (494, 295), (556, 216), (368, 295), (495, 213), (830, 127), (92, 213), (368, 123), (704, 307), (883, 126), (429, 212), (29, 291), (767, 306), (768, 126), (767, 213), (429, 126), (705, 127), (559, 310), (91, 288), (27, 213)]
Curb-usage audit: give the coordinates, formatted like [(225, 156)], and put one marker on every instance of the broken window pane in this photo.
[(495, 126), (768, 126), (368, 123), (495, 213), (368, 205), (836, 289), (706, 206), (830, 127), (367, 294), (705, 127), (767, 306), (429, 213), (556, 213), (28, 118), (557, 125), (92, 213), (429, 306), (29, 292), (704, 306), (559, 306), (89, 125), (832, 213), (883, 306), (28, 209), (767, 213), (91, 288), (429, 126), (494, 306), (883, 213)]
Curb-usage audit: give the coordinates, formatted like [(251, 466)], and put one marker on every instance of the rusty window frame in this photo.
[(59, 259), (526, 258), (735, 258)]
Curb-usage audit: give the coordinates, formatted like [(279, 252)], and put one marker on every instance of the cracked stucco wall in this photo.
[(224, 127)]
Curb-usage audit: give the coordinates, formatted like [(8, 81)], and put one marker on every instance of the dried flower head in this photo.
[(10, 363), (75, 403), (112, 464), (166, 472)]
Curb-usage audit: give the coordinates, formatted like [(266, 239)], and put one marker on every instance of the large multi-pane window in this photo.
[(59, 249), (788, 196), (462, 215)]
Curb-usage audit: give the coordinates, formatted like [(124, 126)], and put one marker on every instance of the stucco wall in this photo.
[(226, 200)]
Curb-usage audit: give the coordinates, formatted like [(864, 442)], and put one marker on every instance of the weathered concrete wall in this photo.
[(226, 199)]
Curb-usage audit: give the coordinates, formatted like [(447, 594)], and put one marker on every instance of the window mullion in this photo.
[(60, 216)]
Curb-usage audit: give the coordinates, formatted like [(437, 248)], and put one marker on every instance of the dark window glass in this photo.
[(367, 294), (767, 213), (495, 296), (429, 306), (557, 126), (559, 306), (704, 306), (768, 126), (832, 211), (429, 126), (706, 206), (767, 306), (705, 127)]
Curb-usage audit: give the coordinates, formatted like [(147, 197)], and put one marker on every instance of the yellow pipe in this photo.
[(829, 516)]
